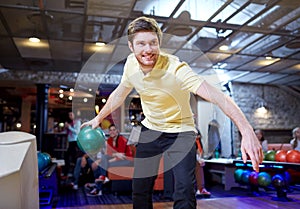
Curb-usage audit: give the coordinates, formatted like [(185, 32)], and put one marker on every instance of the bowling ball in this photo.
[(293, 156), (264, 154), (105, 124), (270, 155), (42, 161), (91, 140), (264, 179), (238, 175), (245, 177), (278, 181), (47, 157), (253, 178), (287, 177), (280, 156)]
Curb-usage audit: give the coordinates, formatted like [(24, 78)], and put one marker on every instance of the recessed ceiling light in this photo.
[(223, 47), (34, 39), (100, 43)]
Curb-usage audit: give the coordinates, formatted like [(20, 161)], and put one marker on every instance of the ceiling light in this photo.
[(34, 39), (19, 125), (178, 29), (224, 48), (262, 108), (269, 57), (222, 65), (99, 43)]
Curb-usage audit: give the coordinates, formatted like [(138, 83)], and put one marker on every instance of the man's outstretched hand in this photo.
[(94, 123), (251, 146)]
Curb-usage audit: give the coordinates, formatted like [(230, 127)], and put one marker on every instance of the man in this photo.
[(164, 84)]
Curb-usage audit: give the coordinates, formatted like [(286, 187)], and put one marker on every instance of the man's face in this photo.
[(113, 132), (145, 46)]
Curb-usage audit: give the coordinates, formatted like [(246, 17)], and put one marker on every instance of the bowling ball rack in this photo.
[(48, 184), (274, 167)]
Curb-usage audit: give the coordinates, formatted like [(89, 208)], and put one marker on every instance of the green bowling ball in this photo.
[(264, 179), (91, 140), (270, 155)]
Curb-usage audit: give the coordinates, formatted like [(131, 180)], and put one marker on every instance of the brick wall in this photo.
[(283, 110)]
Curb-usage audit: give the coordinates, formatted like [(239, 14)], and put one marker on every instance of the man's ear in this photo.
[(130, 46)]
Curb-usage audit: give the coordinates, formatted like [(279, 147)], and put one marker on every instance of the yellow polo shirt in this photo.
[(164, 92)]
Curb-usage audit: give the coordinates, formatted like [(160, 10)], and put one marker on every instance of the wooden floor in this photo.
[(217, 203)]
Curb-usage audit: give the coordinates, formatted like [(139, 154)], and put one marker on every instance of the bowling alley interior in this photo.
[(60, 60)]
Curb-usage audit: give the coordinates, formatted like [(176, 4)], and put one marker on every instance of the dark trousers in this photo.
[(179, 152), (71, 156)]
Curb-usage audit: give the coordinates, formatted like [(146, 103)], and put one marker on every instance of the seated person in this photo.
[(264, 143), (85, 164), (295, 142), (118, 153), (199, 168)]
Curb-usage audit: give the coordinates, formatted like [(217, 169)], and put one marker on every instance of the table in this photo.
[(223, 167)]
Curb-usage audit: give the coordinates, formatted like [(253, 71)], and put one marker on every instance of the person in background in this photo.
[(264, 143), (81, 166), (164, 84), (72, 127), (295, 142), (118, 153), (201, 190), (86, 164)]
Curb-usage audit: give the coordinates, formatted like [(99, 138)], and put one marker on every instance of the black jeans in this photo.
[(179, 151)]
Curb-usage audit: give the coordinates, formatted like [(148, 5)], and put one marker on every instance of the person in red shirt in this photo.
[(118, 153)]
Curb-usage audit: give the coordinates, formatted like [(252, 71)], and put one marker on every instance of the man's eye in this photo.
[(154, 43)]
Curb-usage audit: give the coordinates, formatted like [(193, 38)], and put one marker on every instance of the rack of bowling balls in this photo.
[(278, 172), (48, 184)]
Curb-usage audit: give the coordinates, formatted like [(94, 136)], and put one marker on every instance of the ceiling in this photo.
[(193, 29)]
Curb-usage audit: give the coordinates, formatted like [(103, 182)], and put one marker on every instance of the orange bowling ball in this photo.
[(293, 156), (280, 156)]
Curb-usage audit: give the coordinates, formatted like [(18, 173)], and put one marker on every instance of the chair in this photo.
[(121, 177)]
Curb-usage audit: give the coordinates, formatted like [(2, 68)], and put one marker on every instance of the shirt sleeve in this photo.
[(189, 80)]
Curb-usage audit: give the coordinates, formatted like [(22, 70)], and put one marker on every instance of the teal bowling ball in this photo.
[(238, 175), (42, 162), (91, 140), (47, 158)]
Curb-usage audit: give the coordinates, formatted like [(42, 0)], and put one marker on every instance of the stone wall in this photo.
[(283, 110)]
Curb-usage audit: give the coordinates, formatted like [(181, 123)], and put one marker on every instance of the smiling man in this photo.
[(164, 84)]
